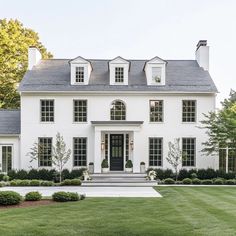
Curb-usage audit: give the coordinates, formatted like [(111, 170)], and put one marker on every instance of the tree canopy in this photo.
[(221, 126), (15, 40)]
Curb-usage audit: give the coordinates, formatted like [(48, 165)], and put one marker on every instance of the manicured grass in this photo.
[(181, 211)]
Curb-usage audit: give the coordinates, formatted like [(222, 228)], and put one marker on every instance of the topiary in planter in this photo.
[(104, 164), (218, 181), (9, 198), (33, 196), (169, 181), (196, 181), (207, 182), (74, 196), (61, 197), (230, 181), (187, 181), (129, 164), (34, 182)]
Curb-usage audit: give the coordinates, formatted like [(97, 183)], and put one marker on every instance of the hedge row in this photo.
[(196, 181), (43, 174), (200, 174)]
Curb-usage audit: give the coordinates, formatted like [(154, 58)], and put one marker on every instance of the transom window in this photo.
[(45, 151), (119, 74), (118, 111), (189, 111), (80, 110), (47, 110), (79, 74), (188, 151), (80, 151), (156, 74), (155, 151), (156, 111)]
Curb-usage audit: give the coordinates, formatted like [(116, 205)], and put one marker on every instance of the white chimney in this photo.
[(202, 54), (34, 56)]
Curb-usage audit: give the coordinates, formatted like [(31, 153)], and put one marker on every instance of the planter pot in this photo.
[(91, 169), (142, 169), (151, 177), (128, 170), (105, 170)]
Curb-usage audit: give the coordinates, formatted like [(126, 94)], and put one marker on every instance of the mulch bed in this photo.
[(29, 204)]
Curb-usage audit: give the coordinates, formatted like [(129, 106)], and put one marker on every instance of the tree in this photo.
[(221, 126), (60, 155), (15, 40), (175, 155)]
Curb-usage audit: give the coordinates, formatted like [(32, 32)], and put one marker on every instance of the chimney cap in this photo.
[(201, 43)]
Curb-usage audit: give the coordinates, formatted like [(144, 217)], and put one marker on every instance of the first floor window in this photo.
[(45, 151), (47, 110), (80, 151), (156, 111), (189, 111), (188, 151), (80, 110), (155, 151), (79, 74), (6, 158)]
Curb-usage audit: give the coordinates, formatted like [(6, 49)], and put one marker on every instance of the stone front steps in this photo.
[(118, 180)]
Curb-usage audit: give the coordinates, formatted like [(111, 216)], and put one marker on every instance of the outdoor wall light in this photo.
[(102, 145), (132, 145)]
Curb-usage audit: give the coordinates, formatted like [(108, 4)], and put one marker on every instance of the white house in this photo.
[(117, 109)]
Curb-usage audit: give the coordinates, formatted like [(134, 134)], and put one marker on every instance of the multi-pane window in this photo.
[(118, 111), (6, 158), (119, 74), (47, 110), (80, 151), (155, 151), (156, 111), (188, 151), (80, 110), (127, 147), (79, 74), (45, 151), (156, 74), (189, 111)]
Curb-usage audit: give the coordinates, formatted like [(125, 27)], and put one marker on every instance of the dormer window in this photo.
[(156, 74), (119, 74), (79, 74)]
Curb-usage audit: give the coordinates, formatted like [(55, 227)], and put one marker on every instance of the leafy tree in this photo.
[(60, 155), (15, 40), (175, 155), (221, 126)]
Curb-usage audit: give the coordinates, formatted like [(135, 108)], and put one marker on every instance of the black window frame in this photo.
[(47, 110), (155, 150), (79, 74), (119, 74), (188, 152), (156, 113), (117, 107), (80, 150), (45, 151), (80, 110), (189, 111)]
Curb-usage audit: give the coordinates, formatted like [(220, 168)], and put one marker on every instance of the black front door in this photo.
[(116, 152)]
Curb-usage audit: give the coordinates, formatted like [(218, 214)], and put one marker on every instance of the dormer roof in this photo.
[(79, 60), (155, 60), (119, 60)]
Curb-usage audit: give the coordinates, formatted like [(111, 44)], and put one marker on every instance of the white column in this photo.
[(97, 152), (136, 161)]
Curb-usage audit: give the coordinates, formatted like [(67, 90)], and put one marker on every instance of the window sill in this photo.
[(78, 122), (47, 122), (189, 123), (156, 122)]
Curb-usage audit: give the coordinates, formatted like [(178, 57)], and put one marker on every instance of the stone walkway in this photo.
[(90, 191)]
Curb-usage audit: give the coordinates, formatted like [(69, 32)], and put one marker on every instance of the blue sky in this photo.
[(138, 29)]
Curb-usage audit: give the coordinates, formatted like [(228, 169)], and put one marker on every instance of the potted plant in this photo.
[(91, 167), (105, 166), (129, 166), (86, 175), (142, 167)]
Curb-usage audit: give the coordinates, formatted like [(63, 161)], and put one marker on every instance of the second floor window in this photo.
[(189, 111), (118, 111), (80, 110), (45, 151), (47, 110), (156, 111), (119, 74), (79, 74)]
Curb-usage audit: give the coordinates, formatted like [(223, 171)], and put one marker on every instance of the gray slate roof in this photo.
[(9, 122), (54, 75)]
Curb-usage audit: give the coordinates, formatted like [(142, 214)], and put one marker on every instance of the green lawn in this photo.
[(181, 211)]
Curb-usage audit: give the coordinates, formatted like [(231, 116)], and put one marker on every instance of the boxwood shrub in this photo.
[(196, 181), (74, 196), (35, 182), (74, 182), (47, 183), (230, 181), (187, 181), (218, 181), (169, 181), (207, 182), (61, 196), (33, 196), (9, 198)]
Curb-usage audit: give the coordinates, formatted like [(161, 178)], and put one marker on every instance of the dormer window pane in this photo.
[(156, 74), (79, 74), (119, 74)]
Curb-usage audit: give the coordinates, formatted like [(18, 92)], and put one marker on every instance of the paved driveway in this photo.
[(90, 191)]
